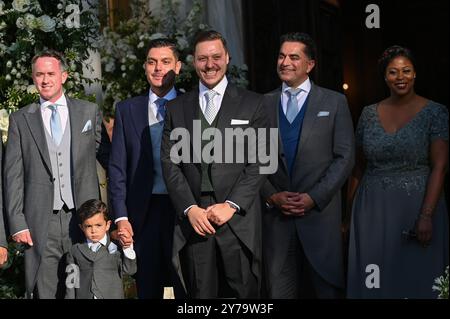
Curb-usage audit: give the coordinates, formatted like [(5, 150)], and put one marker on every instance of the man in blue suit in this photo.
[(138, 194)]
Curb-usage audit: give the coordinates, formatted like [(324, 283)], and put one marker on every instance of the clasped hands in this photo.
[(292, 203), (124, 233), (202, 219)]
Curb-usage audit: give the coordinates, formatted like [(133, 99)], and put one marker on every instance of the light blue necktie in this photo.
[(210, 110), (95, 246), (55, 124), (292, 104), (161, 104)]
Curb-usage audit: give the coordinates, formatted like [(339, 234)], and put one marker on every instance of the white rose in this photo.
[(31, 21), (189, 58), (21, 5), (4, 120), (46, 23), (32, 89), (9, 64), (2, 5), (20, 23)]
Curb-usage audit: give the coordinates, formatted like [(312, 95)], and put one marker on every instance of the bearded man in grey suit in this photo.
[(49, 171), (301, 227)]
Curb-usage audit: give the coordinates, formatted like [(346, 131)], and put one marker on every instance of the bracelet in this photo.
[(427, 209), (425, 216)]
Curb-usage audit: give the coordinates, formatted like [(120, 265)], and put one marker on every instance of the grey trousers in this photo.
[(50, 282)]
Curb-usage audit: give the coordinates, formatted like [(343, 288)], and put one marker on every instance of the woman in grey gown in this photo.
[(399, 224)]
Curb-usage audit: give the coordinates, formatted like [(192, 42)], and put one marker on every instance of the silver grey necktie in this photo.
[(292, 104), (211, 109)]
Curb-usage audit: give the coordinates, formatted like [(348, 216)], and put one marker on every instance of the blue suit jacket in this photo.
[(131, 162)]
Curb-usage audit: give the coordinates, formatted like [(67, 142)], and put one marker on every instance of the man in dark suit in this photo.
[(3, 242), (137, 190), (49, 170), (218, 228), (302, 239)]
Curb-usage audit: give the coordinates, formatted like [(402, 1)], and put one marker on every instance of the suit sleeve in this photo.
[(129, 266), (3, 242), (102, 141), (14, 180), (117, 169), (343, 157), (251, 180), (267, 190), (176, 183)]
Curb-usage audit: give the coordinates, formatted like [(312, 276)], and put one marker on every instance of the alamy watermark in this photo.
[(249, 145)]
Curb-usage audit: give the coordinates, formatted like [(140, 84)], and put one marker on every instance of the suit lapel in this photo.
[(191, 109), (274, 107), (87, 252), (36, 126), (139, 115), (76, 116), (310, 117), (229, 107)]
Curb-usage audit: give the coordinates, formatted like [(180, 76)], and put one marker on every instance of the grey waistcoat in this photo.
[(60, 160)]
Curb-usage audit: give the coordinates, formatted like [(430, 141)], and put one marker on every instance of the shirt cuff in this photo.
[(119, 219), (129, 252), (187, 209), (234, 205), (21, 231)]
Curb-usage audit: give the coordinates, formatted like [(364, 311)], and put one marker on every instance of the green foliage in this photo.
[(123, 50), (29, 26), (12, 280)]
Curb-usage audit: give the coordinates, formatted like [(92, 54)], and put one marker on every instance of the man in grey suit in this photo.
[(217, 234), (301, 227), (50, 169), (3, 242)]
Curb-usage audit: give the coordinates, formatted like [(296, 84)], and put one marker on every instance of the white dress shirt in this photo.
[(153, 116), (46, 112), (217, 99), (128, 252), (305, 87)]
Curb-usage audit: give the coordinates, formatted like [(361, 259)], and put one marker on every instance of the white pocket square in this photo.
[(87, 126), (323, 113), (112, 248), (238, 122)]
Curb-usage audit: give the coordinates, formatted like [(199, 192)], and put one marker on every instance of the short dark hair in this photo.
[(310, 45), (210, 35), (50, 53), (90, 208), (391, 53), (163, 43)]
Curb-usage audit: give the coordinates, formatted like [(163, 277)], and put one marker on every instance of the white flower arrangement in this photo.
[(441, 285), (28, 26), (123, 50)]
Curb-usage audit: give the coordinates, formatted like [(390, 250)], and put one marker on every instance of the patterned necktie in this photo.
[(292, 104), (55, 124), (95, 246), (210, 110), (161, 104)]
